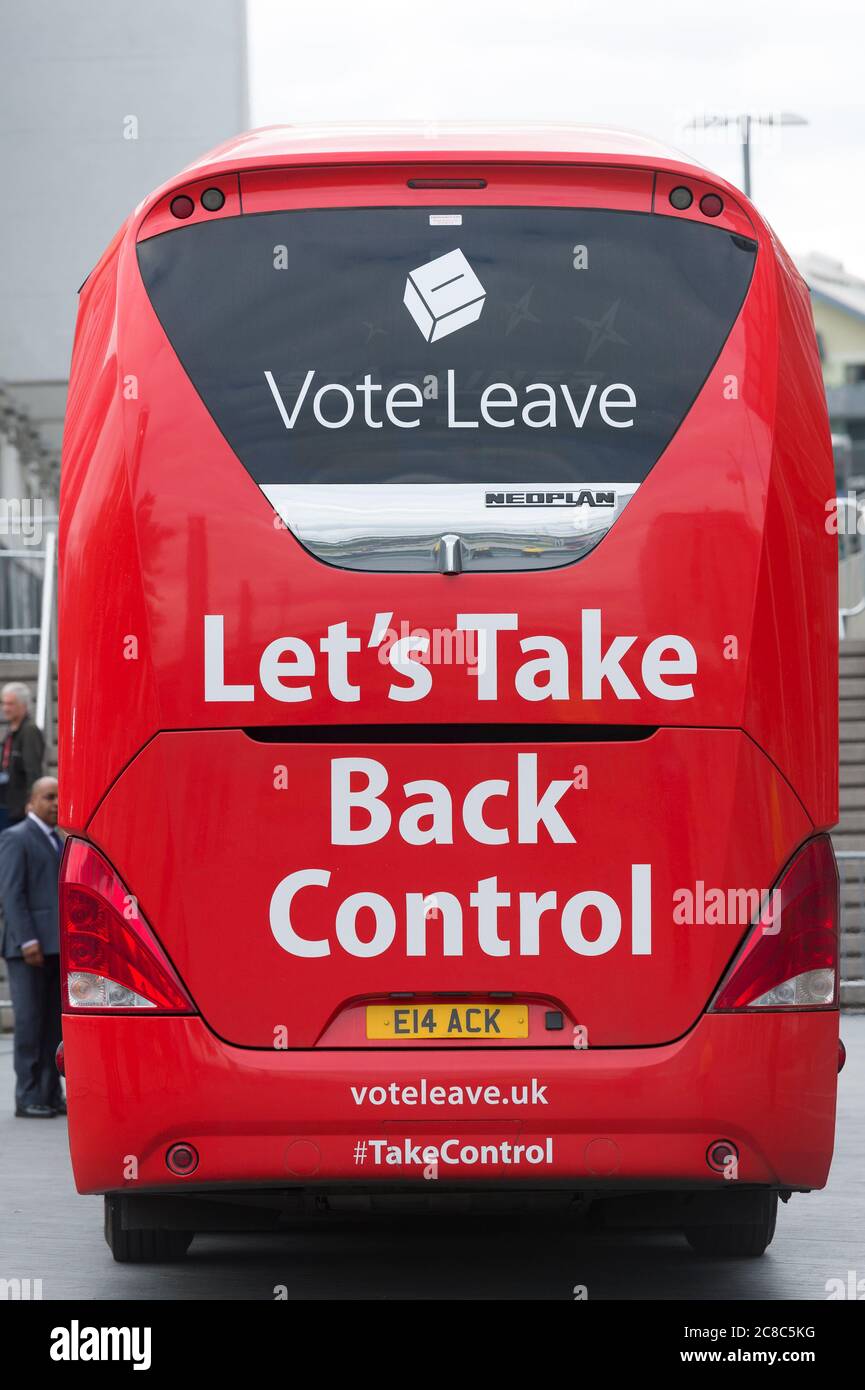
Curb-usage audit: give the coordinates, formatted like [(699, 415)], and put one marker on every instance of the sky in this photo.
[(643, 66)]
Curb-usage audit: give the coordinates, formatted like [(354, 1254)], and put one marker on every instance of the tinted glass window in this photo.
[(501, 346), (479, 389)]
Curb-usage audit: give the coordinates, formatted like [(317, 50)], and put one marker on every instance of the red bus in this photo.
[(448, 692)]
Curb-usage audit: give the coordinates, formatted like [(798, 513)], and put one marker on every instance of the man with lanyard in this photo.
[(21, 755)]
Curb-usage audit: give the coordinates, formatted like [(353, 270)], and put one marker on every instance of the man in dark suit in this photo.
[(21, 754), (29, 865)]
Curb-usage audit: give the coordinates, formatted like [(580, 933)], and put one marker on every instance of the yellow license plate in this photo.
[(460, 1021)]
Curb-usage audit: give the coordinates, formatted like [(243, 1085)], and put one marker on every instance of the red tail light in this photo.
[(790, 958), (109, 956)]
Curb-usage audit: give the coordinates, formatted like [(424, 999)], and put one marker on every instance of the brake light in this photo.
[(791, 962), (109, 956)]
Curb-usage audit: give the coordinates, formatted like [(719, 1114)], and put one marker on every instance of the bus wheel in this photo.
[(745, 1229), (152, 1246)]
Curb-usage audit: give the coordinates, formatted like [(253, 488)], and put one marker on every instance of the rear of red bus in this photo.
[(448, 693)]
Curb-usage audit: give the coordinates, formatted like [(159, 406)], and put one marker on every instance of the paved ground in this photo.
[(47, 1231)]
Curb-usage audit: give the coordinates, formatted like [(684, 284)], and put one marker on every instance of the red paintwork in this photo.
[(270, 189), (639, 1116), (229, 875), (732, 216), (162, 219), (726, 539)]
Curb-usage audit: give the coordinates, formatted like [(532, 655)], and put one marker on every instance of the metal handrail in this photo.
[(43, 679), (43, 555), (855, 609), (844, 613)]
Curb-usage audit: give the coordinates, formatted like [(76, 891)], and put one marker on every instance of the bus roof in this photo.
[(302, 144), (335, 143)]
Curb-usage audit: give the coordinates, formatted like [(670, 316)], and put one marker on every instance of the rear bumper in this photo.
[(600, 1119)]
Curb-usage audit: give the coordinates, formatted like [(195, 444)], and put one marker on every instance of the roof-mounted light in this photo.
[(181, 206)]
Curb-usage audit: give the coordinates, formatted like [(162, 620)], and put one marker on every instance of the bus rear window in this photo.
[(502, 374)]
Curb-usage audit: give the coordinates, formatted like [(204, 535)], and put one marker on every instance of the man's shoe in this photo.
[(34, 1112), (59, 1108)]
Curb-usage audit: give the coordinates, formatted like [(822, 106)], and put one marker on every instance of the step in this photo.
[(852, 753), (852, 774), (852, 731), (848, 825), (14, 669), (851, 688), (849, 840), (852, 886), (852, 799)]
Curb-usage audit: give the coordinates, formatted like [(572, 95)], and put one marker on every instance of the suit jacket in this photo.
[(25, 766), (29, 870)]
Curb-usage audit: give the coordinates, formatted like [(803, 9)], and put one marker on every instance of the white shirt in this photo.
[(46, 829)]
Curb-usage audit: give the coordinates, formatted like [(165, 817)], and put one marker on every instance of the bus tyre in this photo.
[(152, 1246), (745, 1233)]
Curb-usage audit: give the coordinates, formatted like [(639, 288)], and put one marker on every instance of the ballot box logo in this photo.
[(444, 295)]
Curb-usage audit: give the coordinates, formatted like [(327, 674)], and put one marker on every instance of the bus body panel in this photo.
[(202, 772), (616, 1117), (634, 967), (635, 577)]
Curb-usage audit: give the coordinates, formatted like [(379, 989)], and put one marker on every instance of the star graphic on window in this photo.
[(602, 330), (520, 311), (372, 329)]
